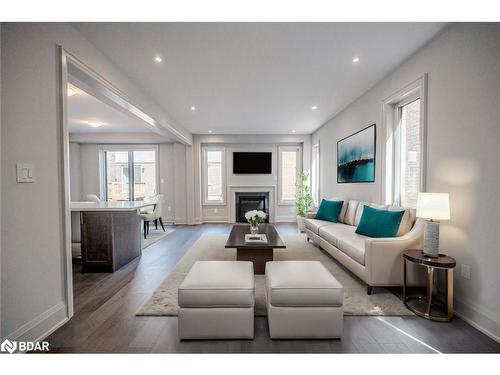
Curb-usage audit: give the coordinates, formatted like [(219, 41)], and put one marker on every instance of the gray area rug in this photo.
[(211, 247), (155, 235)]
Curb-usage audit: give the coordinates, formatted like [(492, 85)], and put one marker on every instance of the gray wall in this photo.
[(33, 279), (463, 150)]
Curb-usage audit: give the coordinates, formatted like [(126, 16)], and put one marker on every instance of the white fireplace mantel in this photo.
[(233, 189)]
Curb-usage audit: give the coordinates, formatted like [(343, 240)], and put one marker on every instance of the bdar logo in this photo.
[(8, 346)]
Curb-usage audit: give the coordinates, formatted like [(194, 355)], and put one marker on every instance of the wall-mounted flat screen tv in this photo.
[(252, 162)]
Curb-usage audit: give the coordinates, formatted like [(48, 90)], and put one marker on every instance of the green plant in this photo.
[(303, 199)]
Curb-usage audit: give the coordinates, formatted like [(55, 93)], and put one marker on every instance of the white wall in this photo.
[(463, 150), (220, 213), (75, 170), (33, 294), (180, 196)]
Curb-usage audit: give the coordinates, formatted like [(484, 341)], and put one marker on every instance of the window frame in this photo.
[(391, 115), (204, 172), (103, 180), (281, 149), (315, 174)]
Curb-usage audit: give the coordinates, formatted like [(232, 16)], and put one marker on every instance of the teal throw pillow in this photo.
[(379, 223), (329, 210)]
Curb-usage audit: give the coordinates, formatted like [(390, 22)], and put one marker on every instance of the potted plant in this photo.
[(254, 218), (303, 199)]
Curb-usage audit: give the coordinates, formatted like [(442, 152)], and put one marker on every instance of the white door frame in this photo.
[(108, 93)]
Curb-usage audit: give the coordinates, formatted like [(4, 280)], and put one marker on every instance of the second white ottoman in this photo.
[(216, 301), (304, 300)]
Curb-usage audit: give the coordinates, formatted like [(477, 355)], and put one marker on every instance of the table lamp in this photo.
[(432, 207)]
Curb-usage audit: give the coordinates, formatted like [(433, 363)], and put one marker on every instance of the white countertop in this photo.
[(110, 206)]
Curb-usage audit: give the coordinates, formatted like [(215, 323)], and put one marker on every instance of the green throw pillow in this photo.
[(329, 210), (379, 223)]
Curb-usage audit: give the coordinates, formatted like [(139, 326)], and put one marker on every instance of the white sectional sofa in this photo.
[(376, 261)]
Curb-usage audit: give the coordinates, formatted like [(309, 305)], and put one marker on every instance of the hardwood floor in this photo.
[(105, 321)]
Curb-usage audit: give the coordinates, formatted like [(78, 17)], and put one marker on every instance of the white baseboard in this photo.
[(43, 325), (485, 321), (215, 219), (180, 220), (286, 219)]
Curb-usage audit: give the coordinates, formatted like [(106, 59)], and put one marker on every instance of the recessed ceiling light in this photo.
[(209, 132), (355, 60), (293, 131), (71, 91), (95, 124), (314, 107), (158, 59), (193, 108)]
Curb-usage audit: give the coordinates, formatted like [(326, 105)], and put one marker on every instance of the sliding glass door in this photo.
[(129, 174), (117, 176), (144, 174)]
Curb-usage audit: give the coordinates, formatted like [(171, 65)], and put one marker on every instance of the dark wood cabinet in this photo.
[(110, 239)]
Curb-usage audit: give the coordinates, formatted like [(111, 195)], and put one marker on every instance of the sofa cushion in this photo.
[(350, 214), (302, 283), (218, 284), (407, 220), (331, 233), (344, 207), (314, 224), (353, 245), (329, 210), (379, 223), (359, 210)]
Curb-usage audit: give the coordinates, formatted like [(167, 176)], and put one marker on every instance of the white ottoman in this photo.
[(304, 301), (216, 301)]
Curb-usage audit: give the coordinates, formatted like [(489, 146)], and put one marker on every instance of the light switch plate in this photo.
[(25, 172)]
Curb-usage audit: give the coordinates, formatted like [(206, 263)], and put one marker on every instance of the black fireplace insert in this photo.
[(248, 201)]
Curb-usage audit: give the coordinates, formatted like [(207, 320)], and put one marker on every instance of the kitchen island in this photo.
[(110, 233)]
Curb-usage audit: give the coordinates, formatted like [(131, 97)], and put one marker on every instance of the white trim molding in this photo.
[(204, 178), (43, 325), (414, 90), (233, 189), (485, 321), (298, 150)]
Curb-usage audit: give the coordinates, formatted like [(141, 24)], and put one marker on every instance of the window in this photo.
[(290, 165), (315, 174), (117, 182), (408, 163), (405, 145), (214, 175)]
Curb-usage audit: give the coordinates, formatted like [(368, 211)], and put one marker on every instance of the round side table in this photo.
[(442, 262)]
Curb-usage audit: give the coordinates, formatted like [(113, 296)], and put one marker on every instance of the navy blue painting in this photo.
[(356, 157)]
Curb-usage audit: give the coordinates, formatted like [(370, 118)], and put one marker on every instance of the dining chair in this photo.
[(154, 216), (93, 198)]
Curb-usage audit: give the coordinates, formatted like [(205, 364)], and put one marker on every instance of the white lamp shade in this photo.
[(433, 206)]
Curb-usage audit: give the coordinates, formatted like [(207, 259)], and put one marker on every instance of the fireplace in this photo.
[(249, 201)]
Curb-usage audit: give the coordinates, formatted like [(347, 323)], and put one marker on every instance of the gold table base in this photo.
[(428, 299)]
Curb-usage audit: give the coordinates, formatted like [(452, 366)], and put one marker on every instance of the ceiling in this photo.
[(256, 78), (83, 107)]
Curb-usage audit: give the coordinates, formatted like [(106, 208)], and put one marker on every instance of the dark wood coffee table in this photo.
[(259, 254)]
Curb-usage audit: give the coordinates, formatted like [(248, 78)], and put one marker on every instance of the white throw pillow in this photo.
[(350, 214), (407, 220)]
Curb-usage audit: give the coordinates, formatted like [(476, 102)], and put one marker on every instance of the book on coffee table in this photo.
[(255, 238)]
